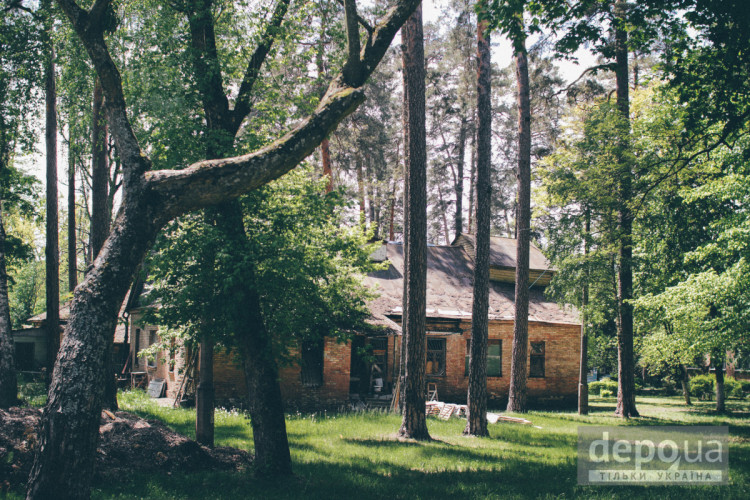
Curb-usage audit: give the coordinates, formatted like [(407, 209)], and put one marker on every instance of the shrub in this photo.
[(600, 386), (702, 386), (745, 385), (606, 393), (733, 388)]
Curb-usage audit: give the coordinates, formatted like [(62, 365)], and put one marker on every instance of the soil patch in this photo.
[(127, 444)]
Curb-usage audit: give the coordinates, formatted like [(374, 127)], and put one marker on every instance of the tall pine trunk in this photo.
[(625, 358), (8, 381), (476, 420), (51, 252), (414, 424), (459, 217), (583, 384), (517, 401), (72, 255)]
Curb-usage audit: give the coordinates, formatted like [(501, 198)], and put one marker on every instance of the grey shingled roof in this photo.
[(449, 289), (503, 253)]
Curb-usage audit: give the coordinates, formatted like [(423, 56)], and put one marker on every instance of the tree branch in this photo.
[(96, 14), (353, 63), (361, 20), (242, 106), (592, 69), (135, 160), (209, 182)]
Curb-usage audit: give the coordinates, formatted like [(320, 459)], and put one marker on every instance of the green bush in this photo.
[(745, 385), (605, 384), (733, 388), (606, 393), (702, 386)]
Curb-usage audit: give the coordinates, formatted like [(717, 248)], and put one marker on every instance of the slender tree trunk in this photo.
[(459, 224), (444, 215), (472, 180), (8, 381), (518, 371), (72, 255), (583, 384), (720, 394), (685, 380), (204, 401), (51, 253), (414, 423), (476, 420), (325, 153), (626, 369), (100, 215), (360, 189)]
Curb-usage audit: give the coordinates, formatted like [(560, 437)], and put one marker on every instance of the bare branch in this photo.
[(362, 21), (592, 69)]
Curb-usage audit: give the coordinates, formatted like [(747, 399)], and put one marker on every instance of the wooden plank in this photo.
[(156, 387)]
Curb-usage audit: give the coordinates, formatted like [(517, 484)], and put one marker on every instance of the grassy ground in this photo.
[(358, 456)]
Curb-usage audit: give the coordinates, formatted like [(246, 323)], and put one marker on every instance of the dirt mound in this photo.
[(127, 444)]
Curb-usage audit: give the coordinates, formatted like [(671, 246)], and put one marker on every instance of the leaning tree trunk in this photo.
[(8, 381), (414, 424), (51, 252), (476, 420), (518, 371), (625, 357)]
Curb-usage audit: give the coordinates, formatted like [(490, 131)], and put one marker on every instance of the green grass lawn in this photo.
[(358, 456)]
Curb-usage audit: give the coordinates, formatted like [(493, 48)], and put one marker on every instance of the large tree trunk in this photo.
[(63, 464), (626, 369), (414, 424), (472, 181), (583, 384), (518, 371), (476, 420), (8, 381), (51, 252)]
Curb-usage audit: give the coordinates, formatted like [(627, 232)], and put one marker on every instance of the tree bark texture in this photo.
[(517, 401), (626, 370), (583, 384), (414, 424), (472, 181), (63, 462), (8, 380), (476, 420), (51, 251)]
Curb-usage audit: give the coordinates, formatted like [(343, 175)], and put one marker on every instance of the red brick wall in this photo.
[(562, 346), (335, 389)]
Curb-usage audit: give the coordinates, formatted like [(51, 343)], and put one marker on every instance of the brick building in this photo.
[(366, 367)]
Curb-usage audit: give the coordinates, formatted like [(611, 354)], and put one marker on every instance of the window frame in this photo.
[(499, 357), (441, 352), (537, 356)]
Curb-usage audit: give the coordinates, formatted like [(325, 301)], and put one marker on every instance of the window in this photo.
[(152, 339), (311, 363), (494, 358), (172, 355), (380, 356), (536, 360), (435, 357)]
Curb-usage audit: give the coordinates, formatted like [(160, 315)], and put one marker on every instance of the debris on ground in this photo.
[(127, 444)]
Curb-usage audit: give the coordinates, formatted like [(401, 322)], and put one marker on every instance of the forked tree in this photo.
[(63, 463)]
